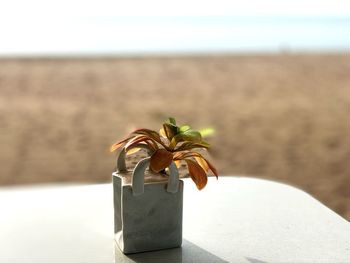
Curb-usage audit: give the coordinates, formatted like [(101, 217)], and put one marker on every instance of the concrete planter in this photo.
[(147, 208)]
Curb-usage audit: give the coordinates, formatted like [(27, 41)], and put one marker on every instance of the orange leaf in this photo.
[(209, 165), (132, 151), (197, 174), (117, 145), (162, 133), (213, 169), (177, 163), (160, 160), (137, 139), (202, 163), (153, 135), (198, 155), (191, 145), (149, 133)]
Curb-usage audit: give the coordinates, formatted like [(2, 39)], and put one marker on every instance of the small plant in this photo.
[(172, 144)]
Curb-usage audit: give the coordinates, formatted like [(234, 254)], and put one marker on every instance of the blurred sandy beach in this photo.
[(282, 117)]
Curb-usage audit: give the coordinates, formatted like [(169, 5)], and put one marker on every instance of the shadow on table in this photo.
[(254, 260), (189, 252)]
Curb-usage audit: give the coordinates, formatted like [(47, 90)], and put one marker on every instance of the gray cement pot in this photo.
[(147, 208)]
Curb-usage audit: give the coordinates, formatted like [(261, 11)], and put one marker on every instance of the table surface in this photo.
[(234, 219)]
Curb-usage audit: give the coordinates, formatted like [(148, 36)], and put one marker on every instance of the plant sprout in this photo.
[(172, 144)]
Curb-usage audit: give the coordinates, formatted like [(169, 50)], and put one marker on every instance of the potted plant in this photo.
[(148, 202)]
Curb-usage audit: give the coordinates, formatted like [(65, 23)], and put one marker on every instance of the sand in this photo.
[(282, 117)]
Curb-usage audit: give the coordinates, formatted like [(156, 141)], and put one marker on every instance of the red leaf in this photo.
[(197, 174), (160, 160)]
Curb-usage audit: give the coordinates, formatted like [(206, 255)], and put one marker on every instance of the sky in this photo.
[(98, 26)]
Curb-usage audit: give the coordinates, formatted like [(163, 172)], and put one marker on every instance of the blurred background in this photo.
[(272, 77)]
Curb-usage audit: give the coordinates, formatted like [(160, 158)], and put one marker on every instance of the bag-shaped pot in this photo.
[(147, 208)]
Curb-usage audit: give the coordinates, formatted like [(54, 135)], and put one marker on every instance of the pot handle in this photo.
[(121, 164), (138, 177)]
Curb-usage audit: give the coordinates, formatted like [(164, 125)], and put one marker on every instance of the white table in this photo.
[(234, 219)]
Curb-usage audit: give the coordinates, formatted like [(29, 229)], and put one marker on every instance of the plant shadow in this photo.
[(189, 252)]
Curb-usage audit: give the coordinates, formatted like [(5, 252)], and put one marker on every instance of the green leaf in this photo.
[(188, 136), (207, 132), (192, 135), (184, 128), (170, 130), (172, 121)]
